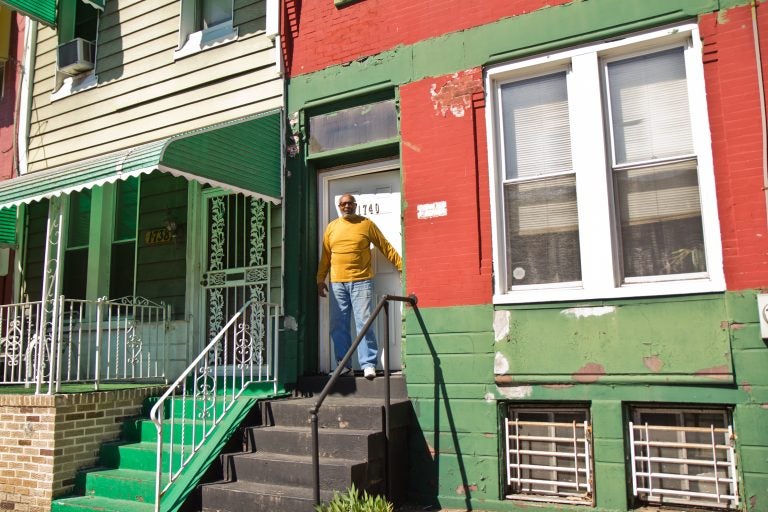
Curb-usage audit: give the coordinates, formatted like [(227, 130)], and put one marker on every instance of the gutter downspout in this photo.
[(761, 89), (25, 91)]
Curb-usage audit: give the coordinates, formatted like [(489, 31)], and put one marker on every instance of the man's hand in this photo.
[(322, 289)]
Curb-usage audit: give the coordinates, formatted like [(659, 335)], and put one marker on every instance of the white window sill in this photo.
[(654, 289), (203, 40), (74, 84)]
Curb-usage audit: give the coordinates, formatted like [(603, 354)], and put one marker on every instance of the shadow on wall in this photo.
[(426, 452)]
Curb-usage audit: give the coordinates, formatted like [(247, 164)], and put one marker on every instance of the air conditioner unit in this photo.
[(75, 56)]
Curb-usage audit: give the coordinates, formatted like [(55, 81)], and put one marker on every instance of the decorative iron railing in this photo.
[(242, 353), (86, 341)]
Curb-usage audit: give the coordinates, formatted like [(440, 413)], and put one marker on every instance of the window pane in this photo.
[(660, 219), (86, 21), (125, 212), (79, 218), (542, 231), (122, 270), (353, 126), (649, 107), (537, 133), (216, 12), (75, 277)]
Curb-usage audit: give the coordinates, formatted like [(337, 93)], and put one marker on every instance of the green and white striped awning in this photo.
[(242, 156), (43, 11)]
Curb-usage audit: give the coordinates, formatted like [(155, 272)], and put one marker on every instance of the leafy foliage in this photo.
[(353, 501)]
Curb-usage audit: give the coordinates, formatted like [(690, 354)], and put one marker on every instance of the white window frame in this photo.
[(591, 154), (648, 474), (194, 39), (578, 447)]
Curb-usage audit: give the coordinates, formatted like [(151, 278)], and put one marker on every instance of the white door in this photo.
[(376, 187)]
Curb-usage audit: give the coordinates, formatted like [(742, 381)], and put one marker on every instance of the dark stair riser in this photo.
[(337, 414), (354, 387), (342, 444), (297, 471), (240, 498)]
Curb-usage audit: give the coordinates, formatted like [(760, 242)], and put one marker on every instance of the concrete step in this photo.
[(357, 386), (122, 484), (99, 504), (336, 443), (296, 470), (338, 412), (239, 496)]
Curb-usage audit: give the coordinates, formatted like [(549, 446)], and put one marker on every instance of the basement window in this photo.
[(683, 457), (548, 454)]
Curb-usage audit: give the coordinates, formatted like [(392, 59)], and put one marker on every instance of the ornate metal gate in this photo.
[(236, 269)]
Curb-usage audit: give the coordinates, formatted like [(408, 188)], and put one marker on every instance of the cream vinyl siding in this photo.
[(142, 93)]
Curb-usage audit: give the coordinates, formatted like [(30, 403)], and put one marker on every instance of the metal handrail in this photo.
[(201, 367), (313, 412)]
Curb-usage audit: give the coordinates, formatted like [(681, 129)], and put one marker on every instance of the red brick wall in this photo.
[(444, 158), (323, 35), (734, 112)]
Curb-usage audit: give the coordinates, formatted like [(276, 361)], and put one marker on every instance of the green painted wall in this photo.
[(34, 255), (161, 269), (456, 448)]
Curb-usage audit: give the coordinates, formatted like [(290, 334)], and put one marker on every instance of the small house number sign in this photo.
[(158, 236)]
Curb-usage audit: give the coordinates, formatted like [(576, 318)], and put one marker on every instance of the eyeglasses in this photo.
[(347, 203)]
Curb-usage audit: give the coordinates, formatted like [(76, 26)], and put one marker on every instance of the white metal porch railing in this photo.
[(242, 353), (684, 465), (549, 461), (82, 341)]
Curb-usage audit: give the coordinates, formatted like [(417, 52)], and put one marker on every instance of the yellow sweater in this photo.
[(346, 250)]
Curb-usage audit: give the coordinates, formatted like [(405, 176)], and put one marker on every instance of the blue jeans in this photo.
[(347, 298)]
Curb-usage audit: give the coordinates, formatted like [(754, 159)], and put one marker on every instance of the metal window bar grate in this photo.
[(684, 471), (558, 469)]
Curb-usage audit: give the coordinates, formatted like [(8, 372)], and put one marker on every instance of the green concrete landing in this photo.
[(125, 480)]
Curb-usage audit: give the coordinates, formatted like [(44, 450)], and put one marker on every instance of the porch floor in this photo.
[(76, 388)]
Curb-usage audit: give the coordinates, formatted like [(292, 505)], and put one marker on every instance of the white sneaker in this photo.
[(369, 373)]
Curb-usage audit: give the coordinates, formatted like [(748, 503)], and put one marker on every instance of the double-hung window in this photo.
[(601, 172), (205, 24)]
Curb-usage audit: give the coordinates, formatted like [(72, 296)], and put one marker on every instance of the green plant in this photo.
[(353, 501)]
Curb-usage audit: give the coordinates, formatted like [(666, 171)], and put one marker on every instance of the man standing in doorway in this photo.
[(347, 254)]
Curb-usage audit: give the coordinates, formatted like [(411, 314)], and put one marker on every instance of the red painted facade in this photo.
[(8, 120), (444, 149), (323, 35), (734, 115), (9, 99), (444, 158)]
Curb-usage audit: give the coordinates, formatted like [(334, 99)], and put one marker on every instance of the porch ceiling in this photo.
[(242, 156)]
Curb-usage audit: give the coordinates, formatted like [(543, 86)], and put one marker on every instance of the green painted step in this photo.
[(92, 503), (123, 483)]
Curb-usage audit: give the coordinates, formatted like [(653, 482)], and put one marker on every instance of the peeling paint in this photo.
[(557, 386), (737, 326), (290, 323), (489, 397), (590, 372), (764, 406), (412, 147), (585, 312), (455, 96), (515, 391), (653, 363), (722, 372), (501, 325), (464, 489), (500, 364), (746, 386)]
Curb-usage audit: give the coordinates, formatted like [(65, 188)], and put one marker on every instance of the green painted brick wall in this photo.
[(457, 446)]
